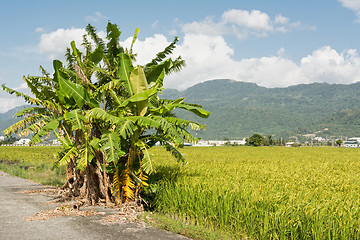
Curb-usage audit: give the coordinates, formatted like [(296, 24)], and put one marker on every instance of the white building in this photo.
[(209, 143), (352, 142), (23, 141), (55, 142), (320, 139), (2, 138)]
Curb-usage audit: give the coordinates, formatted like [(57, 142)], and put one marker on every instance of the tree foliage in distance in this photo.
[(255, 140), (107, 114), (339, 142)]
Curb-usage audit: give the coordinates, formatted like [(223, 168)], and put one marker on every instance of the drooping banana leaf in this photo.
[(23, 124), (194, 109), (46, 129), (140, 97), (27, 98), (77, 118), (101, 114), (146, 161), (176, 153), (110, 145)]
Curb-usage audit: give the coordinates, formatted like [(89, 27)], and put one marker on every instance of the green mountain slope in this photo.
[(240, 109), (7, 119)]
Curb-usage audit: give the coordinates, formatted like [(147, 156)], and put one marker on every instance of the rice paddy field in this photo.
[(35, 163), (247, 192), (266, 192)]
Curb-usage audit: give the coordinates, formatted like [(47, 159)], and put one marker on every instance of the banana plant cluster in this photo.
[(106, 113)]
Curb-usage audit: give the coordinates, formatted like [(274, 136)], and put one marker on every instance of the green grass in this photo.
[(33, 163), (192, 231), (263, 193)]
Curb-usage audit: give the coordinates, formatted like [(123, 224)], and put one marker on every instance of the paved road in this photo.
[(15, 206)]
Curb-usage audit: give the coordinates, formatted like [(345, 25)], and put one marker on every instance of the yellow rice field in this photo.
[(266, 192)]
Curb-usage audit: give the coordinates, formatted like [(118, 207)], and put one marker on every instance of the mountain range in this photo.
[(240, 109), (7, 119)]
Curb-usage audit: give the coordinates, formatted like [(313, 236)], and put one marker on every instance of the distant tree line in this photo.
[(257, 140), (9, 140)]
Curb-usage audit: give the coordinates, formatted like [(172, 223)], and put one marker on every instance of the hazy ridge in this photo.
[(240, 109)]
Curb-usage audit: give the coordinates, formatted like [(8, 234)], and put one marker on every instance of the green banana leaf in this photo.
[(124, 69), (76, 92)]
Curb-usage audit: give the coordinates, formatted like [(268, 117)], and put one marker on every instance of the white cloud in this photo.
[(254, 20), (206, 26), (96, 17), (147, 49), (242, 23), (353, 5), (7, 104), (210, 57), (327, 65), (54, 44), (207, 58), (23, 86), (281, 19)]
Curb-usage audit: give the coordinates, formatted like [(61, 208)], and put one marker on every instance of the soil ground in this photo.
[(19, 218)]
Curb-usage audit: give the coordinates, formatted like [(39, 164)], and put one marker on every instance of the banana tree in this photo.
[(107, 125)]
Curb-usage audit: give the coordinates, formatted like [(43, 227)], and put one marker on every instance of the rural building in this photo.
[(23, 141), (352, 142), (208, 143), (55, 142), (320, 139)]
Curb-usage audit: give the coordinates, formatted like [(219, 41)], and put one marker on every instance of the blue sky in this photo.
[(275, 43)]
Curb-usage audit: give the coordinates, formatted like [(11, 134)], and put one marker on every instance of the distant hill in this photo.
[(7, 119), (240, 109)]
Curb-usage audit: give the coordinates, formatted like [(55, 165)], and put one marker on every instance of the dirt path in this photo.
[(16, 206)]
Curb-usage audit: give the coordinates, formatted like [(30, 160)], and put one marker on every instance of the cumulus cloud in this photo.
[(148, 48), (54, 44), (206, 26), (211, 57), (242, 23), (327, 65), (255, 19)]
